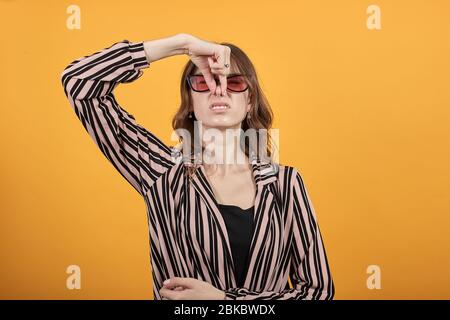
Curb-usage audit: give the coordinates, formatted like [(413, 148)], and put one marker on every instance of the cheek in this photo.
[(241, 103), (199, 102)]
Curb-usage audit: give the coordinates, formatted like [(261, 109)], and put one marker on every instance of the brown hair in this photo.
[(261, 115)]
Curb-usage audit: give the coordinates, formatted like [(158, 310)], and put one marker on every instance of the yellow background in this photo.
[(363, 114)]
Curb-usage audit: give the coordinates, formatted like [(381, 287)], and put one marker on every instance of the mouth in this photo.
[(219, 106)]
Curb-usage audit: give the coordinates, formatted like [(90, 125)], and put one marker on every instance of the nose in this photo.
[(218, 89)]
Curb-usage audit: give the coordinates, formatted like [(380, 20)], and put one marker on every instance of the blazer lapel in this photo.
[(264, 174), (266, 177)]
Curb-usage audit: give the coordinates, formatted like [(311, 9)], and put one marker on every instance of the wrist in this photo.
[(184, 42), (165, 47)]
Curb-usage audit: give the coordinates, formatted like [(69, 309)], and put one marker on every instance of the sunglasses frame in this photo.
[(188, 79)]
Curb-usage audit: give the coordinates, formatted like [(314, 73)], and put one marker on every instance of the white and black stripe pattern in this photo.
[(188, 236)]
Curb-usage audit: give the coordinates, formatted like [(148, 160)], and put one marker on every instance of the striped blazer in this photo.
[(188, 236)]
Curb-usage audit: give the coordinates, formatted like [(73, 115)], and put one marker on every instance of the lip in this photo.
[(211, 107)]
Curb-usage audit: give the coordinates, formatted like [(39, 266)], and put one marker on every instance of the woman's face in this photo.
[(231, 117)]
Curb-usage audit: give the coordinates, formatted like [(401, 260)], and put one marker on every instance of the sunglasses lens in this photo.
[(234, 83), (237, 83), (198, 83)]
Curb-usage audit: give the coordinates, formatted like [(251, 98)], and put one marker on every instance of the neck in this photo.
[(222, 151)]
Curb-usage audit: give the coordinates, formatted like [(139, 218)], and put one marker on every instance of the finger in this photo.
[(170, 294), (227, 59), (214, 64), (219, 71), (162, 293), (165, 293), (210, 82), (226, 52), (178, 281), (223, 84)]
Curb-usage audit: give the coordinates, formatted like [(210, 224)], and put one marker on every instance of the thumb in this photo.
[(178, 281)]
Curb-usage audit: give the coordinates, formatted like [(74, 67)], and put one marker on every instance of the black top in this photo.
[(240, 229)]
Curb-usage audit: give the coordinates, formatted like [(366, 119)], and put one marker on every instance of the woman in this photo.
[(218, 229)]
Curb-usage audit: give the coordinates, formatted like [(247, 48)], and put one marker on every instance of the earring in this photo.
[(248, 116), (190, 115)]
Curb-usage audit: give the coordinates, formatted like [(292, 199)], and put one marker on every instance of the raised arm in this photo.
[(89, 82), (309, 272)]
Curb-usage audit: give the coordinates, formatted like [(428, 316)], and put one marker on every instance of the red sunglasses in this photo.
[(235, 83)]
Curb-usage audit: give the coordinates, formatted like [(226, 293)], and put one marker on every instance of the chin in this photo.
[(226, 124)]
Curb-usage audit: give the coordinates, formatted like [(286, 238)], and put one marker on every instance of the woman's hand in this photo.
[(210, 58), (179, 288)]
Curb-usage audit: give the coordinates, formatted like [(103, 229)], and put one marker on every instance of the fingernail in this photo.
[(166, 281)]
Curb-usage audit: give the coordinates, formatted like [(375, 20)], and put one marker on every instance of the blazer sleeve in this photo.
[(89, 82), (309, 271)]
